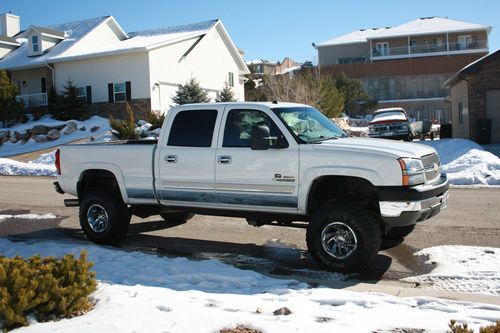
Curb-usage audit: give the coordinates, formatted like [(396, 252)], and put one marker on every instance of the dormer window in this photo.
[(35, 44)]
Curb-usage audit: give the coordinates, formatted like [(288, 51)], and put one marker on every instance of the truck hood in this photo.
[(390, 148)]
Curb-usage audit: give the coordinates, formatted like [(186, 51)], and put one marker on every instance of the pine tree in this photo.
[(225, 95), (191, 92), (354, 93), (332, 100), (10, 109), (70, 105), (124, 129)]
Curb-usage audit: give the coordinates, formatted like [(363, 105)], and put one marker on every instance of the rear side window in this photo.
[(193, 128)]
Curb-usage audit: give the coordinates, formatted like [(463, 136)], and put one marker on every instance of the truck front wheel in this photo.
[(104, 217), (343, 237)]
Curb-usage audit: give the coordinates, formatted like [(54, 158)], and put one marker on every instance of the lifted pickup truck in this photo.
[(271, 163)]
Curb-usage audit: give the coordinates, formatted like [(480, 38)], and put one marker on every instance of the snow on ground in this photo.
[(28, 216), (145, 293), (41, 166), (11, 149), (466, 163), (459, 268)]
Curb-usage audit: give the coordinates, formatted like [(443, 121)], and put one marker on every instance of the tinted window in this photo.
[(193, 128), (239, 124)]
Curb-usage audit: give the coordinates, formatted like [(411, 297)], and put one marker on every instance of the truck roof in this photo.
[(268, 104)]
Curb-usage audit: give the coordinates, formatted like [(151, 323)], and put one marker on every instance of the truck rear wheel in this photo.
[(343, 237), (177, 217), (104, 217)]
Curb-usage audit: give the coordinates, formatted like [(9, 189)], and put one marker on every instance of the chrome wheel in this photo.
[(339, 240), (97, 218)]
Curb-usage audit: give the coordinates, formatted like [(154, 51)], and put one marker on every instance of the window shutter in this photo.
[(128, 91), (89, 94), (110, 93)]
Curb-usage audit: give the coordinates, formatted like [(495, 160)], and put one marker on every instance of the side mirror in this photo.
[(259, 139)]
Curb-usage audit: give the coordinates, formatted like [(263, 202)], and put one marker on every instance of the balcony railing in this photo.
[(32, 100), (423, 49)]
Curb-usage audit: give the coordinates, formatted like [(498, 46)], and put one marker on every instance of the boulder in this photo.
[(83, 128), (39, 129), (58, 127), (4, 139), (93, 129), (70, 128), (40, 138), (53, 134), (13, 139), (22, 136), (282, 312), (4, 134)]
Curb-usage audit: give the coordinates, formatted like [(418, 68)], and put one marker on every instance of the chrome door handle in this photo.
[(170, 158), (224, 159)]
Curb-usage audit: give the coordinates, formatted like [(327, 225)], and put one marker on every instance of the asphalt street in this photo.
[(472, 218)]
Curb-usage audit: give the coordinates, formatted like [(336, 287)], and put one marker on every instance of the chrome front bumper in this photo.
[(396, 208)]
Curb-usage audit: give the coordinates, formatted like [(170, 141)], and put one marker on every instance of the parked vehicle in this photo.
[(390, 123), (271, 163)]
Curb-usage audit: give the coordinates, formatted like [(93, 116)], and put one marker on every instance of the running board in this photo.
[(71, 202)]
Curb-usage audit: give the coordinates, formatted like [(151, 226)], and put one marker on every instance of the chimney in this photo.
[(9, 24)]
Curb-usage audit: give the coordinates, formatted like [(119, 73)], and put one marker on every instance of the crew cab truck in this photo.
[(279, 163)]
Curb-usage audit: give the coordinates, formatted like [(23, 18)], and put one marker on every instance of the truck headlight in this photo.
[(412, 170)]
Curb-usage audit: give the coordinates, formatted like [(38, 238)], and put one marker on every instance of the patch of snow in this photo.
[(11, 149), (466, 163), (459, 268), (389, 116), (10, 167), (146, 293), (30, 216)]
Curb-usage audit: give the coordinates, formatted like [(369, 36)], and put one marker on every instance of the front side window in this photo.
[(193, 128), (308, 124), (81, 92), (120, 93), (239, 123), (35, 43)]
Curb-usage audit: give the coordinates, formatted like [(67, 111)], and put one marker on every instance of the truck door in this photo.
[(186, 158), (258, 180)]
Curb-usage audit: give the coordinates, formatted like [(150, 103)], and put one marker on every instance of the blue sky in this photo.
[(263, 29)]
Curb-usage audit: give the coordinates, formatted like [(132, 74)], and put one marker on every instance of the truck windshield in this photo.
[(308, 124)]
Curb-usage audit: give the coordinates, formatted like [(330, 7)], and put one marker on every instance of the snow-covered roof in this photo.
[(143, 40), (471, 68), (73, 31), (421, 26), (8, 40), (260, 62)]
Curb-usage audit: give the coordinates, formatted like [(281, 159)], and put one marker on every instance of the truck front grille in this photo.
[(432, 167)]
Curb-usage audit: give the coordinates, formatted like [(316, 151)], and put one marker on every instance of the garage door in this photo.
[(493, 112)]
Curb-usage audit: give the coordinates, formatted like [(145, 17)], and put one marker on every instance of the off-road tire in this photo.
[(177, 217), (359, 221), (118, 217)]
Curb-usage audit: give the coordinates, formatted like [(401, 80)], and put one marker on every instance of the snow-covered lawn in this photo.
[(10, 149), (141, 292), (466, 163), (42, 166)]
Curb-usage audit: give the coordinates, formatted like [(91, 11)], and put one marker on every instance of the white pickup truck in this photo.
[(271, 163)]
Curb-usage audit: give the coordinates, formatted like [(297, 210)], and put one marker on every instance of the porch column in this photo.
[(447, 43), (409, 49), (371, 50)]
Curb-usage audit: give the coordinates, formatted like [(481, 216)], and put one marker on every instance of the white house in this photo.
[(109, 65)]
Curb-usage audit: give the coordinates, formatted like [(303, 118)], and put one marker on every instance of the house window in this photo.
[(35, 45), (383, 49), (413, 43), (120, 94), (464, 42), (81, 92), (460, 113), (231, 79)]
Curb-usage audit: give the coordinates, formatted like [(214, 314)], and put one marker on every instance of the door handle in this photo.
[(224, 159), (170, 158)]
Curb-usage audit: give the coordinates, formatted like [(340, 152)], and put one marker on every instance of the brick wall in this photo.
[(488, 77), (117, 110)]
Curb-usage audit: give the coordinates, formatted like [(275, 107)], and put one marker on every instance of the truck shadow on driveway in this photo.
[(281, 262)]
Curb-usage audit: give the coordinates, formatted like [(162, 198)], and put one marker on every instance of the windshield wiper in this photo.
[(321, 139)]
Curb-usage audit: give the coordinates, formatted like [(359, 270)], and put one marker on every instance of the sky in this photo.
[(271, 29)]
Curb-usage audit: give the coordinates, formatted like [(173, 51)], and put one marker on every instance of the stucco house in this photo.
[(110, 66), (475, 100)]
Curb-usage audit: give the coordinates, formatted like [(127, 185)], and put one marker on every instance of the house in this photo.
[(406, 65), (475, 100), (260, 67), (110, 66)]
